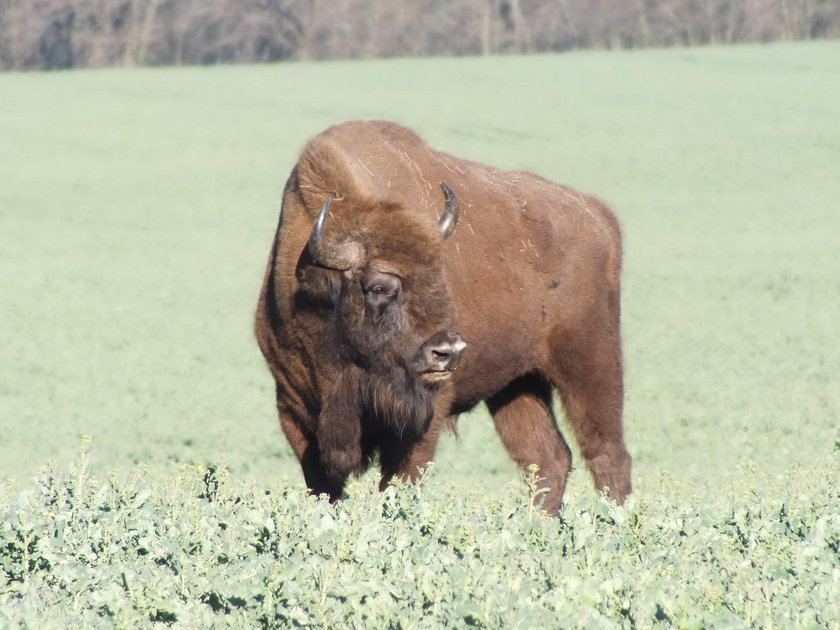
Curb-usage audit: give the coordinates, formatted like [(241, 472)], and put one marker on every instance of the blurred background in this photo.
[(54, 34)]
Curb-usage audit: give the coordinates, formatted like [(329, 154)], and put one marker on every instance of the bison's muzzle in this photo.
[(438, 358)]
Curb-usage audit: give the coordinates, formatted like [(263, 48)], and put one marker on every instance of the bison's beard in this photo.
[(399, 403)]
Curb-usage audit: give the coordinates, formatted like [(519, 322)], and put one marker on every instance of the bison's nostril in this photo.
[(441, 354)]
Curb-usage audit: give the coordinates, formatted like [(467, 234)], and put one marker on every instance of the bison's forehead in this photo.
[(409, 244), (407, 239)]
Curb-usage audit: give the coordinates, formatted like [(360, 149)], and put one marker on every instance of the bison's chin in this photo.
[(401, 403), (435, 380)]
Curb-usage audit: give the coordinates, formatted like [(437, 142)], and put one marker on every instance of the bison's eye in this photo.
[(380, 289)]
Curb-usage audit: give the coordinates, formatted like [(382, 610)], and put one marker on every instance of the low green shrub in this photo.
[(204, 550)]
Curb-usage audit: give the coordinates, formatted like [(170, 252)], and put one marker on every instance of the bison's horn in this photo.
[(449, 218), (342, 257)]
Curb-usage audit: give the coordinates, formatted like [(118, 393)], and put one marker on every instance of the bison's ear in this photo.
[(321, 286), (449, 218)]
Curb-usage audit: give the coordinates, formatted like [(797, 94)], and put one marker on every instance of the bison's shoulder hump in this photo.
[(362, 159)]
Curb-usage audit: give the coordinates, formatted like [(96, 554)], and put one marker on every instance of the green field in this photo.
[(136, 213)]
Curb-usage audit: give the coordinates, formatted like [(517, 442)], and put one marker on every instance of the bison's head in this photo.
[(389, 317)]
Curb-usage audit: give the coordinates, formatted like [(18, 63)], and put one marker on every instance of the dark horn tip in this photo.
[(449, 219), (321, 219)]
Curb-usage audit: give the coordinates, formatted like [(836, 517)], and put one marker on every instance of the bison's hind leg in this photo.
[(525, 422), (586, 367)]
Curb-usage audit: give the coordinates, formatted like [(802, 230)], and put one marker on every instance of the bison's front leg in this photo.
[(328, 446), (305, 448), (406, 459), (339, 436)]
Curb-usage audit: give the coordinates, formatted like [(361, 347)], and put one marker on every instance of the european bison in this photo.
[(371, 296)]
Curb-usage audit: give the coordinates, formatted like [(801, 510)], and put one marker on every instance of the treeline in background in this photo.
[(53, 34)]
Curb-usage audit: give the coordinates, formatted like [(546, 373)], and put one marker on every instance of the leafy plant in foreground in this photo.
[(78, 551)]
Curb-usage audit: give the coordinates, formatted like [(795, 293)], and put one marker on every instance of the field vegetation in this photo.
[(148, 480)]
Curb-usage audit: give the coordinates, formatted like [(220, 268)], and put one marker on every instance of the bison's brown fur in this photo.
[(530, 279)]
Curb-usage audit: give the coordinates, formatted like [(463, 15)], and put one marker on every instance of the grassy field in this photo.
[(136, 213)]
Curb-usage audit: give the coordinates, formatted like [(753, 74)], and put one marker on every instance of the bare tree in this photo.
[(55, 34)]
